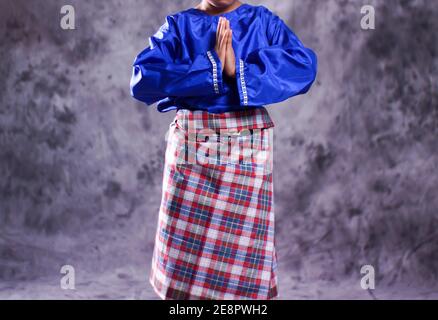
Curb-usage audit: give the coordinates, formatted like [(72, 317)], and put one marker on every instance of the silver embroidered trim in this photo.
[(215, 81), (243, 83)]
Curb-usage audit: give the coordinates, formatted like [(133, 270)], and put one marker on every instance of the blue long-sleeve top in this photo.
[(181, 69)]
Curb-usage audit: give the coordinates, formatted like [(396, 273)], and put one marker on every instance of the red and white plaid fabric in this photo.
[(215, 232)]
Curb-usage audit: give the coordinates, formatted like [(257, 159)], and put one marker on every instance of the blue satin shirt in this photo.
[(181, 69)]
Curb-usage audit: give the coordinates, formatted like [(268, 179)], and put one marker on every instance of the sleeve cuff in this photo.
[(241, 81), (216, 71)]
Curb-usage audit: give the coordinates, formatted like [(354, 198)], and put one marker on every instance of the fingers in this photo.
[(220, 28), (220, 32), (229, 33), (230, 38), (223, 40), (227, 39), (225, 33)]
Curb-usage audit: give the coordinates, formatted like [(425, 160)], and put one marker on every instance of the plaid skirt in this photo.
[(215, 231)]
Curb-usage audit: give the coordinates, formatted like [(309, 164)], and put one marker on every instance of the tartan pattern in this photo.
[(215, 232), (255, 118)]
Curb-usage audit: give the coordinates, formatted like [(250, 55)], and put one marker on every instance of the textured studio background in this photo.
[(81, 162)]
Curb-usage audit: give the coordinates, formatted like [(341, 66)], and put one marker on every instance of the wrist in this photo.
[(230, 73)]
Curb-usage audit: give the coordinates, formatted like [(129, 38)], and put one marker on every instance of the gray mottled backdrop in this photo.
[(81, 162)]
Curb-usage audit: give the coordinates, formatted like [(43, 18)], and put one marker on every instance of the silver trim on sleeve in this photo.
[(215, 81), (243, 83)]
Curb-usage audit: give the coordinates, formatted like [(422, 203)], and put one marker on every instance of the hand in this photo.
[(221, 41), (230, 59)]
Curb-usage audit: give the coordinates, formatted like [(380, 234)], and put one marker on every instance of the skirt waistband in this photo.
[(255, 118)]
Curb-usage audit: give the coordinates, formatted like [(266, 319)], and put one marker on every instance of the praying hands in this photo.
[(224, 47)]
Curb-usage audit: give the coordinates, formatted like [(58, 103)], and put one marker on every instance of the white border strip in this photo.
[(213, 62), (242, 81)]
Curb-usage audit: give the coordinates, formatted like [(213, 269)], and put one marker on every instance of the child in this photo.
[(218, 65)]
